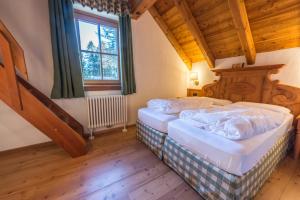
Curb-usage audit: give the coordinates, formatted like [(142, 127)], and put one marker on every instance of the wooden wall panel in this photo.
[(260, 9), (189, 19), (242, 27), (215, 21), (176, 24), (274, 24), (168, 33), (173, 19), (201, 5), (163, 6), (273, 45), (139, 7)]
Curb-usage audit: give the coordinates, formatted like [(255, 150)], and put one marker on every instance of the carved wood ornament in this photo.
[(254, 84)]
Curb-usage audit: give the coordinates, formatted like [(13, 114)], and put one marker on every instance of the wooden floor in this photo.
[(118, 167)]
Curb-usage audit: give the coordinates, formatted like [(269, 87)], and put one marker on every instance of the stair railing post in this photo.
[(8, 68)]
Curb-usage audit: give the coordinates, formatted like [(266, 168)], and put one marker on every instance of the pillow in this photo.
[(272, 107), (217, 102), (173, 106)]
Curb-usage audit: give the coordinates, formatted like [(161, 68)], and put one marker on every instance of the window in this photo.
[(99, 51)]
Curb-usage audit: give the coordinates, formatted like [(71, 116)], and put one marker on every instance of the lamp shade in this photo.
[(194, 76)]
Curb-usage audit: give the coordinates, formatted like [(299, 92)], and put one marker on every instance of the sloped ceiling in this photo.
[(227, 28)]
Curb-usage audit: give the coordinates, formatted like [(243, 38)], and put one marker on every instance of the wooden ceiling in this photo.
[(213, 29)]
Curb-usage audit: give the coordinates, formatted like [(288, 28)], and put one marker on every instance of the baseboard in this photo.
[(113, 129), (44, 144), (19, 149)]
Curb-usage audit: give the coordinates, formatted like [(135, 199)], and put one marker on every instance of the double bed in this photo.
[(218, 167), (152, 125)]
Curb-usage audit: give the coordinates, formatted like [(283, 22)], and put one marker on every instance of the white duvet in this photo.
[(173, 106), (235, 122)]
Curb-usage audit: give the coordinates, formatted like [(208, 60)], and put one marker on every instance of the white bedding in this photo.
[(234, 121), (174, 106), (154, 119), (236, 157)]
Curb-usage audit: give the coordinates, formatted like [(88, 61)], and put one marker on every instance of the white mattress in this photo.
[(236, 157), (156, 120)]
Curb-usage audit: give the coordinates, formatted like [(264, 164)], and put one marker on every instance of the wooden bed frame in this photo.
[(251, 84), (254, 84)]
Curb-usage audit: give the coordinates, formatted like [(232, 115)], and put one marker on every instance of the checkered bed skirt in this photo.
[(153, 138), (212, 182)]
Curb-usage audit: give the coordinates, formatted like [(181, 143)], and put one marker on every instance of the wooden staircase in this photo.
[(33, 105)]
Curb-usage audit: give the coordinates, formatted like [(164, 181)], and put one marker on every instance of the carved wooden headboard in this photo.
[(254, 84)]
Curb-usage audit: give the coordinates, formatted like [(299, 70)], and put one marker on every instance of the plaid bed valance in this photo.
[(117, 7)]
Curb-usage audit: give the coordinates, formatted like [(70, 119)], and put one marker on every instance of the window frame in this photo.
[(98, 85)]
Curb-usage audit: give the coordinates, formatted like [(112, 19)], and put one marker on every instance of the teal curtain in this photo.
[(67, 70), (126, 55)]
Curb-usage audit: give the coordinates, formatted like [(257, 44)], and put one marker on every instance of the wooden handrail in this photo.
[(8, 73), (1, 59), (16, 50)]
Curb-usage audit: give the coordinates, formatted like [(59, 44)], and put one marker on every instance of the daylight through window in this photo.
[(99, 49)]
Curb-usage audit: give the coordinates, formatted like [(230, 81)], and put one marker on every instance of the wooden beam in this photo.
[(140, 6), (241, 22), (193, 27), (161, 23)]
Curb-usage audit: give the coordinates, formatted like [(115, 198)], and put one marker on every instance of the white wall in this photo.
[(289, 74), (28, 21), (15, 131), (159, 70), (204, 74)]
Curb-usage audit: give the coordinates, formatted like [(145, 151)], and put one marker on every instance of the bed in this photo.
[(152, 129), (152, 126), (201, 160), (218, 150)]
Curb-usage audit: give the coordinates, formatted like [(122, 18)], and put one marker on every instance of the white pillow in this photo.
[(272, 107), (217, 102), (173, 106)]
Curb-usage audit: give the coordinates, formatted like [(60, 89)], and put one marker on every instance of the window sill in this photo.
[(102, 87)]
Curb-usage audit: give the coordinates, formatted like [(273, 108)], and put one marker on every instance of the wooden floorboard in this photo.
[(118, 167)]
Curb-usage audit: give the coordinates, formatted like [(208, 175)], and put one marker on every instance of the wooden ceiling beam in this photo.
[(241, 22), (161, 23), (138, 7), (193, 27)]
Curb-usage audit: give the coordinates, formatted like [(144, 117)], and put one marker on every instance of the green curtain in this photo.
[(126, 55), (67, 70)]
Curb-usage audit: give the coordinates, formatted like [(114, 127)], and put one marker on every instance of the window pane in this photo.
[(89, 36), (90, 63), (110, 67), (109, 38)]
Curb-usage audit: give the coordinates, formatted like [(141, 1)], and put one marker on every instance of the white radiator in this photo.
[(106, 111)]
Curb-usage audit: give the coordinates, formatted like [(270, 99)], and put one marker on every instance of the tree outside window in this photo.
[(99, 50)]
